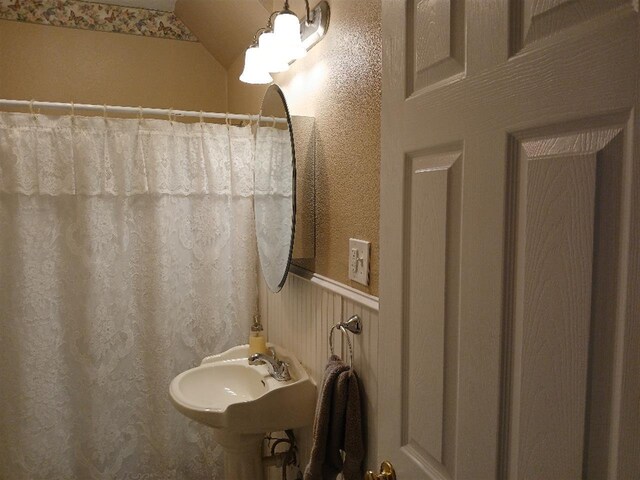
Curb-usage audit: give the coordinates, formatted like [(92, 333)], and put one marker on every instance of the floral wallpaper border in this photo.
[(97, 16)]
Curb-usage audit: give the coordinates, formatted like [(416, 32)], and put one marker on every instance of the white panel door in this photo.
[(510, 240)]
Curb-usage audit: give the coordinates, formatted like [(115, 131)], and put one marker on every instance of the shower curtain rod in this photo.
[(132, 110)]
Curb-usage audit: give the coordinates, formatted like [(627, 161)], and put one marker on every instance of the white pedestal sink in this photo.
[(242, 403)]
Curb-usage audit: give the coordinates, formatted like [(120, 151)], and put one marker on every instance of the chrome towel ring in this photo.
[(353, 325)]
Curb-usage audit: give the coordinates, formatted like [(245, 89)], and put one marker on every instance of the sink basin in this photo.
[(227, 393)]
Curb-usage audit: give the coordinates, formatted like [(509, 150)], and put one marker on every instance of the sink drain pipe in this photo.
[(285, 458)]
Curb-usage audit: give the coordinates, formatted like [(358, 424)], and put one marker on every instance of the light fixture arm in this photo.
[(310, 17), (270, 21), (257, 34), (310, 13)]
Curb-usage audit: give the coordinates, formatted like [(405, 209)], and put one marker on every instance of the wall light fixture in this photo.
[(283, 41)]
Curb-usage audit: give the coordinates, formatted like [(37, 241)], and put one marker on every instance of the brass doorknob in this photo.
[(386, 473)]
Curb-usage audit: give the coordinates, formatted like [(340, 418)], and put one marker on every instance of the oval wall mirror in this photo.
[(275, 188)]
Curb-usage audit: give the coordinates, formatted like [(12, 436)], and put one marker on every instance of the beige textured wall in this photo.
[(63, 64), (338, 83)]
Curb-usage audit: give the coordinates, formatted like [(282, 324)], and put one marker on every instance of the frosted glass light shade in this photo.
[(272, 52), (287, 29), (254, 68)]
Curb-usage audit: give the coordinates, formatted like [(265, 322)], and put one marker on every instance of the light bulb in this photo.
[(272, 53), (287, 30), (254, 68)]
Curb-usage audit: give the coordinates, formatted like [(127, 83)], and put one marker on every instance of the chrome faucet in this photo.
[(277, 368)]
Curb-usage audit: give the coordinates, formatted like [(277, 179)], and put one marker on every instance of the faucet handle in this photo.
[(277, 368), (282, 372), (272, 351)]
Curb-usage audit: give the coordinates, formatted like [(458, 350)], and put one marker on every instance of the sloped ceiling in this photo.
[(225, 27)]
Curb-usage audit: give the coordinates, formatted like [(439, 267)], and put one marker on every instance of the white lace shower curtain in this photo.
[(127, 254)]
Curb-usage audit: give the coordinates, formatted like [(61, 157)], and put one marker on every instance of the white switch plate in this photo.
[(359, 261)]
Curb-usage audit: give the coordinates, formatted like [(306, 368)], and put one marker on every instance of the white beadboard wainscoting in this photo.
[(299, 319)]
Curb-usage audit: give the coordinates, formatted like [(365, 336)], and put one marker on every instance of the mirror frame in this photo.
[(280, 93)]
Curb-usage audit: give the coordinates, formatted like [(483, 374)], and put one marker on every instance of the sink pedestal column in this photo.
[(242, 455)]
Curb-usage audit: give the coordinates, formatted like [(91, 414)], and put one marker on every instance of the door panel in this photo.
[(430, 334), (436, 41), (534, 20), (508, 180), (563, 287)]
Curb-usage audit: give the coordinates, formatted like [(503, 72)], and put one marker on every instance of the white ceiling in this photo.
[(166, 5)]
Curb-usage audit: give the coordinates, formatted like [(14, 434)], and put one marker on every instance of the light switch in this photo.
[(359, 261)]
